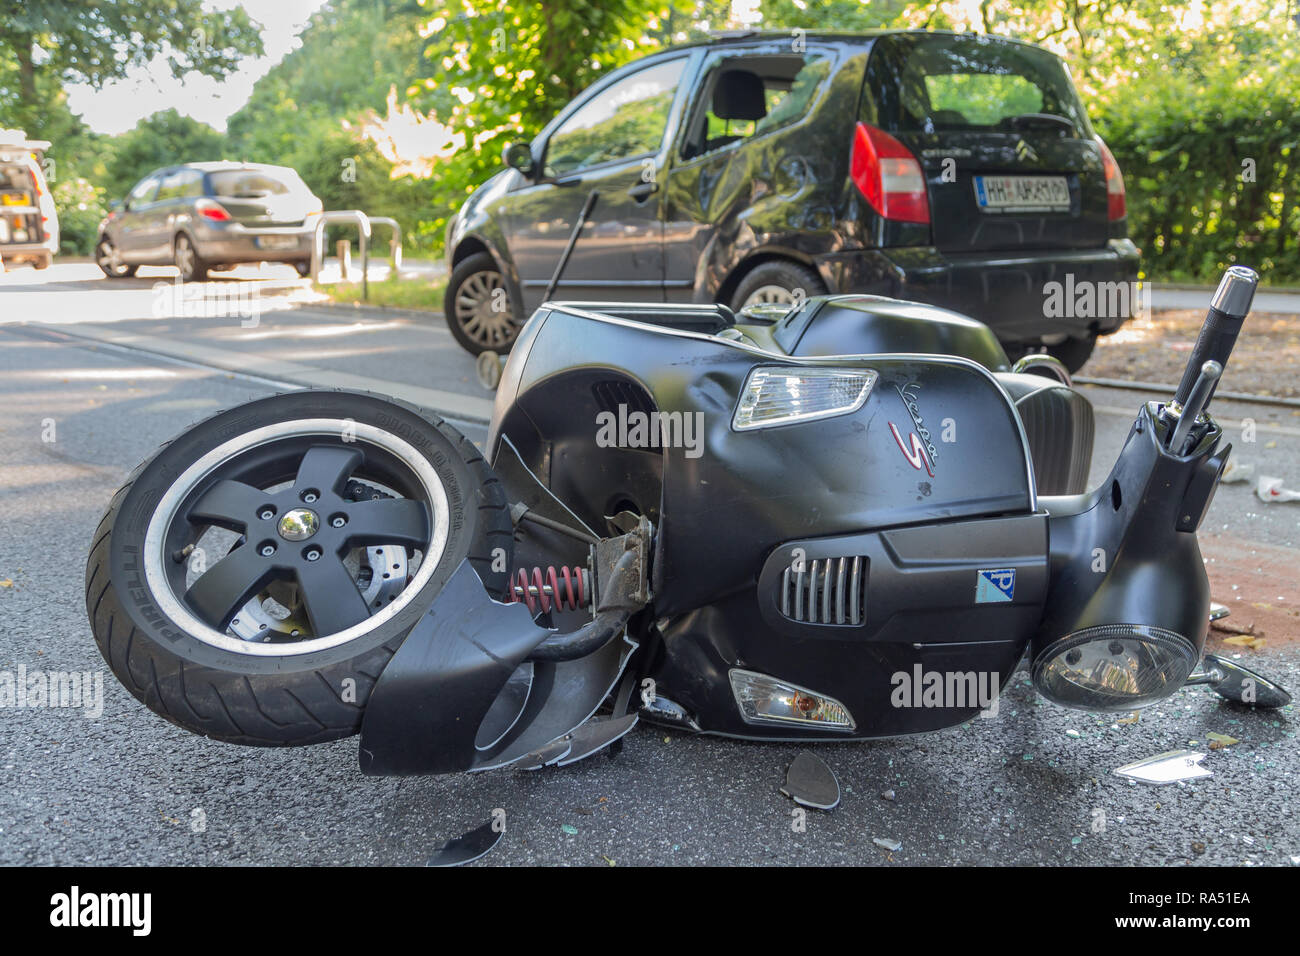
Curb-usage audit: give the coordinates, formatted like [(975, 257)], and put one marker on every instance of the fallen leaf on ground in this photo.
[(1254, 642)]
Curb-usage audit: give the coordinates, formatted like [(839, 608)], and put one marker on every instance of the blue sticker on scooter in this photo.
[(994, 586)]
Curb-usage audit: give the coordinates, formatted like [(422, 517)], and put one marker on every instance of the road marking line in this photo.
[(280, 374)]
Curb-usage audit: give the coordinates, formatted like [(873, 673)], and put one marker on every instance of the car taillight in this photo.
[(1115, 205), (888, 175), (212, 210)]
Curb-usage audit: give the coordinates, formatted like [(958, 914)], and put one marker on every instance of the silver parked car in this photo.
[(203, 217)]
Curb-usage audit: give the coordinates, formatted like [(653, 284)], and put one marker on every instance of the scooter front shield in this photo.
[(425, 711), (460, 693)]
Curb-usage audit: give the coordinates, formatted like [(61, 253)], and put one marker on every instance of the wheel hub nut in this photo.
[(298, 524)]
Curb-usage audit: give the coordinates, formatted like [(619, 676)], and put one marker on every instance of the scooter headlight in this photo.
[(1114, 667), (782, 396)]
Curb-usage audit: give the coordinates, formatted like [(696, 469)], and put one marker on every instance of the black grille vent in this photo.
[(825, 591)]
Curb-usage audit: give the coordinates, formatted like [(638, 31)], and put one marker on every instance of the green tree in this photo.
[(162, 139), (93, 41), (500, 71)]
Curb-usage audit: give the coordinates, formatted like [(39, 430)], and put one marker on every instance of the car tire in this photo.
[(303, 268), (207, 680), (187, 260), (105, 260), (472, 305), (779, 281), (1074, 353), (42, 263)]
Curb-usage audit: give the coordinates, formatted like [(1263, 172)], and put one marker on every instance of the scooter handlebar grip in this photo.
[(1228, 310)]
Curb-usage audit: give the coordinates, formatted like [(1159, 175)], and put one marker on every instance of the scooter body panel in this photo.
[(928, 484)]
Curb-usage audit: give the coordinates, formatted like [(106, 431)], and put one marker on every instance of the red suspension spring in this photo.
[(564, 589)]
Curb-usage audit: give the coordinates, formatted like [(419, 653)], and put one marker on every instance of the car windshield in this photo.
[(255, 183), (933, 83)]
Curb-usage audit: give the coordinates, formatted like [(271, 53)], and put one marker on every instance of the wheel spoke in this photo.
[(327, 468), (226, 586), (333, 601), (388, 521), (228, 504)]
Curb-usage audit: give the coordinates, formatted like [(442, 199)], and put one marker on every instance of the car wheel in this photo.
[(187, 261), (779, 282), (42, 263), (1074, 353), (251, 580), (304, 268), (478, 309), (109, 260)]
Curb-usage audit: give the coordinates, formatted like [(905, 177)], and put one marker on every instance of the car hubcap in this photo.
[(108, 260), (288, 540), (483, 312), (770, 295)]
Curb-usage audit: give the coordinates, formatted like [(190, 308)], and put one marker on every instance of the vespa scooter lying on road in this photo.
[(727, 525)]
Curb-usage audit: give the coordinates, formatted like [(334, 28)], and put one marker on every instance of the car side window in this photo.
[(144, 191), (622, 121), (179, 184), (748, 96)]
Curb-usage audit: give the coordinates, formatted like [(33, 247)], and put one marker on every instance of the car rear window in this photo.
[(935, 82), (254, 183)]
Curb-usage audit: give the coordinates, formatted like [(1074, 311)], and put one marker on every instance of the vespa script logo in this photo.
[(918, 449)]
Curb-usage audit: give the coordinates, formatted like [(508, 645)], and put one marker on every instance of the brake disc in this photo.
[(276, 613)]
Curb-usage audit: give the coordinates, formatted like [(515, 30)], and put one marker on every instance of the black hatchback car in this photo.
[(954, 169)]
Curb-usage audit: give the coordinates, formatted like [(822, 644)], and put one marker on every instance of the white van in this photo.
[(29, 226)]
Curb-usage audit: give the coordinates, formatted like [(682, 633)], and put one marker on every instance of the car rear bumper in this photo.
[(25, 251), (238, 243), (1023, 298)]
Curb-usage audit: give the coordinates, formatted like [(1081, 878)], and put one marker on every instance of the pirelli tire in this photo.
[(166, 642)]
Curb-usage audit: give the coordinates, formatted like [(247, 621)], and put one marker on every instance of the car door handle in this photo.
[(643, 191)]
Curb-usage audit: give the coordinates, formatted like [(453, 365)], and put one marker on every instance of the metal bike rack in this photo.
[(364, 225)]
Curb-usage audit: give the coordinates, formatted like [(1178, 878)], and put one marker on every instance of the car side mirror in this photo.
[(518, 156)]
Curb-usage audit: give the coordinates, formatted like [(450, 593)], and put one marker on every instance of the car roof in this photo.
[(739, 37), (224, 164)]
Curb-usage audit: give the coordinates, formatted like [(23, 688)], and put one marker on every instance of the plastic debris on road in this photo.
[(1172, 766)]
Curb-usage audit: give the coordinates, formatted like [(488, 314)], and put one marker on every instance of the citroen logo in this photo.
[(299, 524), (1025, 151)]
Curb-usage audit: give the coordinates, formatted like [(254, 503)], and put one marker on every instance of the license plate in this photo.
[(1022, 193), (277, 242)]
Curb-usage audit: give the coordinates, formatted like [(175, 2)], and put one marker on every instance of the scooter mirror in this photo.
[(1241, 685)]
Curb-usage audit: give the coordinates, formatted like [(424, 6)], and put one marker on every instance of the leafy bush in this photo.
[(1210, 162), (81, 207)]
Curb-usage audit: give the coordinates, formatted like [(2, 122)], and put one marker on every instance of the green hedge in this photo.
[(1210, 164)]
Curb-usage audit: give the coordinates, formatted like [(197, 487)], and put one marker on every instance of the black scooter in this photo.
[(726, 525)]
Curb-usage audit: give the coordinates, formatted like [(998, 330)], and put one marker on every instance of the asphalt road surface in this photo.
[(94, 375)]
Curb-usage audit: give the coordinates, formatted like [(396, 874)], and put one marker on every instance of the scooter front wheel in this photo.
[(251, 580)]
